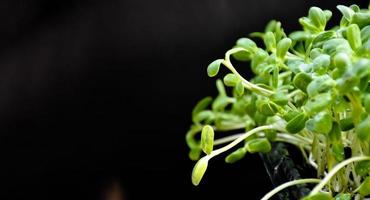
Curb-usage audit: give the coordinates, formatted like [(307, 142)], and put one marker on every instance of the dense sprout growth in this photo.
[(310, 88)]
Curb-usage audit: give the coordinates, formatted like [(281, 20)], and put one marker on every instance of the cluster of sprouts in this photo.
[(311, 89)]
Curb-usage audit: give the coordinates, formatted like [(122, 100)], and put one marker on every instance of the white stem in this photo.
[(335, 170), (246, 84), (289, 184), (227, 139), (240, 139), (311, 161), (282, 137), (292, 94)]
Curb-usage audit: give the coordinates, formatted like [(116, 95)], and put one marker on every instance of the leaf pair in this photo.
[(232, 80), (257, 145), (320, 123), (316, 20)]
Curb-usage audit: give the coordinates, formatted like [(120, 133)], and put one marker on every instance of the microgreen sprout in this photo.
[(311, 89)]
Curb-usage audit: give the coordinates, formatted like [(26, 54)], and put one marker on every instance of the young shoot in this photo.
[(310, 88)]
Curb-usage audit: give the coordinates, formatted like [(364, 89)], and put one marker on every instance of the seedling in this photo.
[(310, 89)]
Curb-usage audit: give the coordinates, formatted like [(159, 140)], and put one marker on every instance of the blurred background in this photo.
[(96, 96)]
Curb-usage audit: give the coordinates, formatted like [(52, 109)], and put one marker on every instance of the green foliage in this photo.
[(367, 103), (320, 123), (301, 81), (363, 168), (236, 155), (207, 139), (319, 196), (214, 67), (199, 170), (311, 89), (345, 196), (363, 129), (354, 36), (258, 145), (296, 124), (283, 47), (231, 80), (364, 188)]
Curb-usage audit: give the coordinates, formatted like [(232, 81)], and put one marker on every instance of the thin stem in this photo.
[(289, 184), (227, 139), (240, 139), (292, 94), (296, 54), (292, 106), (303, 138), (235, 126), (285, 74), (356, 190), (304, 153), (283, 137), (190, 140), (335, 170), (246, 84), (311, 161)]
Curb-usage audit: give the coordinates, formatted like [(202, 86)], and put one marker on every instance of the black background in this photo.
[(93, 90)]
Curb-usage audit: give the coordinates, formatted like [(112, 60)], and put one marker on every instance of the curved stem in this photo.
[(335, 170), (239, 139), (282, 137), (312, 162), (227, 139), (190, 140), (292, 94), (285, 74), (235, 126), (246, 84), (289, 184)]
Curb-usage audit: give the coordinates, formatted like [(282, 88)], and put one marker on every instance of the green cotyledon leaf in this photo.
[(301, 81), (364, 188), (367, 102), (320, 123), (320, 84), (296, 124), (214, 67), (239, 88), (280, 98), (318, 103), (363, 168), (283, 47), (199, 170), (201, 105), (363, 129), (258, 145), (207, 139), (317, 17), (335, 135), (247, 44), (346, 124), (361, 18), (270, 41), (319, 196), (266, 107), (346, 12), (231, 80), (354, 36), (236, 155), (343, 196)]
